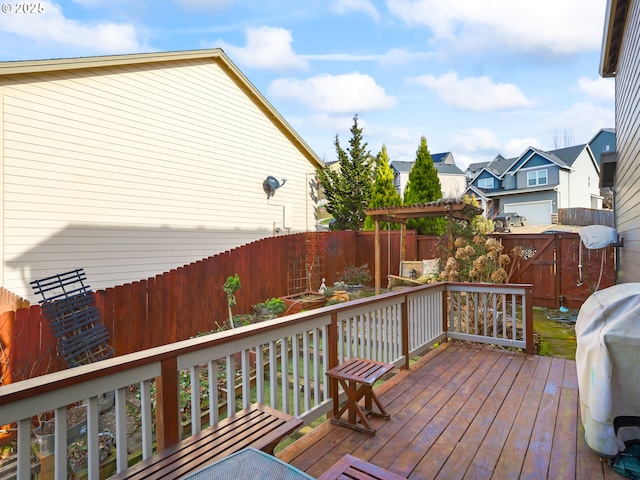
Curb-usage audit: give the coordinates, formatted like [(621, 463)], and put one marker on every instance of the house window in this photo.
[(485, 183), (537, 177)]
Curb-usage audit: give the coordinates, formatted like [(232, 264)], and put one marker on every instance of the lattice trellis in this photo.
[(69, 305)]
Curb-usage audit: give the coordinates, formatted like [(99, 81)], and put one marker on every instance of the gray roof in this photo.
[(448, 169), (500, 165), (401, 167), (566, 156), (474, 167)]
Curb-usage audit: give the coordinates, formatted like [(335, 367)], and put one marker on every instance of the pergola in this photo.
[(447, 209)]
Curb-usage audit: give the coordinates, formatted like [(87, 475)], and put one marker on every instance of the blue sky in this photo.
[(475, 77)]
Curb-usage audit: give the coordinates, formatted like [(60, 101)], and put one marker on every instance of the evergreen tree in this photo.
[(348, 189), (423, 186), (384, 192)]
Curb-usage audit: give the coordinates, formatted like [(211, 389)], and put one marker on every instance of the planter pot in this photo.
[(303, 301), (46, 442), (340, 296), (355, 288)]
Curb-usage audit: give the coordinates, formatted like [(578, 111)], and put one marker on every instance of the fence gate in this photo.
[(561, 269)]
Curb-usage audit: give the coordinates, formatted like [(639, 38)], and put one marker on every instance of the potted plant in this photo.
[(270, 308), (76, 427), (78, 456), (78, 452), (355, 276), (303, 301)]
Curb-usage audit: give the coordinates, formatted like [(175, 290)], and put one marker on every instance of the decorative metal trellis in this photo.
[(75, 320)]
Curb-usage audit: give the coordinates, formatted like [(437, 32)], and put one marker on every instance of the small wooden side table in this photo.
[(357, 377)]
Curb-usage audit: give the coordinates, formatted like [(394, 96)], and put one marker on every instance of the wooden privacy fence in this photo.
[(585, 216), (189, 300)]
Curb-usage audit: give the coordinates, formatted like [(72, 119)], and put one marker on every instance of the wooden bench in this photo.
[(350, 467), (258, 426)]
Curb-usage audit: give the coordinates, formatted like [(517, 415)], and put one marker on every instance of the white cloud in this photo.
[(598, 89), (547, 26), (350, 93), (477, 94), (516, 146), (582, 120), (399, 56), (473, 140), (52, 27), (268, 48), (344, 6)]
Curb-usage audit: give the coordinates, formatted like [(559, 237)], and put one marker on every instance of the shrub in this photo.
[(353, 275)]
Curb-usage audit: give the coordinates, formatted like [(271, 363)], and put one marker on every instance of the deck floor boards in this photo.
[(468, 412)]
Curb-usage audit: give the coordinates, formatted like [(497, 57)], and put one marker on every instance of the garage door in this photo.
[(537, 213)]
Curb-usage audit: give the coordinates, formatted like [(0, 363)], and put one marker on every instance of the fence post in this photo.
[(167, 418), (445, 309), (333, 361), (528, 319), (405, 330)]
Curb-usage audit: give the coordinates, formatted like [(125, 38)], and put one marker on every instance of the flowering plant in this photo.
[(482, 260)]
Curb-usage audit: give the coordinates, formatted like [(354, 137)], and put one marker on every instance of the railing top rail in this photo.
[(489, 287)]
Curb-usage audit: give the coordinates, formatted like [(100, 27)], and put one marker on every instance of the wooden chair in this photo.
[(350, 467)]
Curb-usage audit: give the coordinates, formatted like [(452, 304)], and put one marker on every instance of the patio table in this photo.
[(248, 464)]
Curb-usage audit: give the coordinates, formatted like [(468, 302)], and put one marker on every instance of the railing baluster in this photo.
[(246, 379), (284, 368), (145, 406), (122, 455), (273, 373), (295, 359), (212, 369), (260, 374), (194, 376), (231, 385), (60, 463)]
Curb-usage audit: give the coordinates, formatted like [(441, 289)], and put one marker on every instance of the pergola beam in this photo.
[(458, 210)]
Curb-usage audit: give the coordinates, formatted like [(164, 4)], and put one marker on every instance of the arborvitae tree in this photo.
[(423, 186), (384, 192), (348, 189)]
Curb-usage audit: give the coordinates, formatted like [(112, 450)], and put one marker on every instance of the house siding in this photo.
[(627, 177), (603, 142), (453, 186), (583, 182), (129, 171), (552, 174)]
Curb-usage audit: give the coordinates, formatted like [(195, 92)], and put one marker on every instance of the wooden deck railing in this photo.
[(280, 362)]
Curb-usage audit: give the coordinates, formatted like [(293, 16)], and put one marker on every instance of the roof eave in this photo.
[(614, 25)]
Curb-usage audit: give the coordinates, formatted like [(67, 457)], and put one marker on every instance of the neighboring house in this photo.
[(536, 184), (473, 169), (132, 165), (621, 59), (452, 179), (603, 142)]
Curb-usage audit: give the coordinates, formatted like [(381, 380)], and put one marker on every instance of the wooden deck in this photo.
[(468, 412)]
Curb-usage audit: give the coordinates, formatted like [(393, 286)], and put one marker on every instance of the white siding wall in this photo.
[(563, 189), (453, 186), (583, 182), (132, 171)]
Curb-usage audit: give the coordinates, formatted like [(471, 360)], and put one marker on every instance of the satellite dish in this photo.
[(271, 184)]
